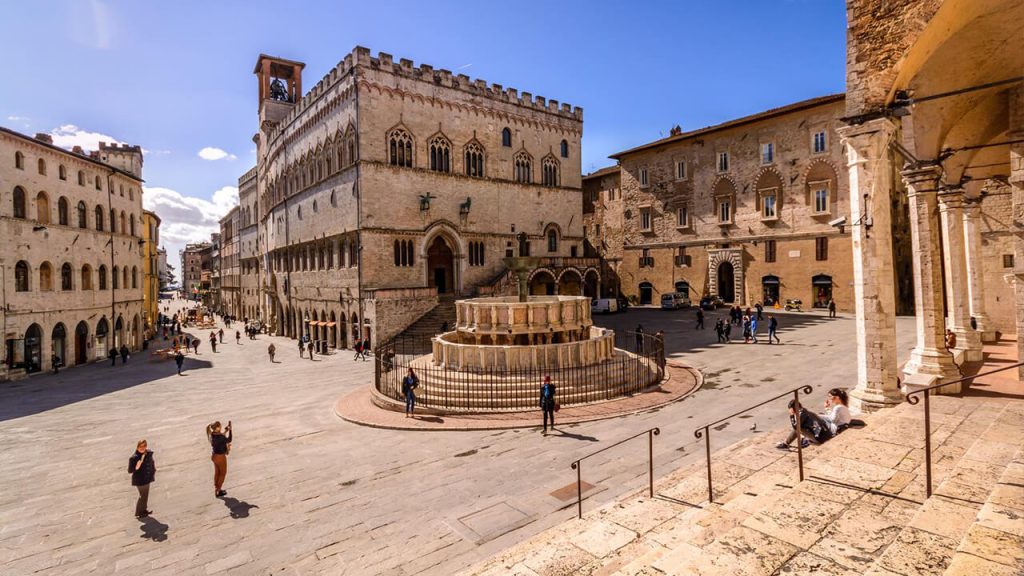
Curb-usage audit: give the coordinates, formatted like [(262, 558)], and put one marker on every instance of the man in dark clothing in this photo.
[(700, 319), (812, 427), (302, 347), (547, 402), (760, 309), (773, 326), (113, 356), (195, 344), (639, 338), (720, 331), (221, 334), (728, 330), (831, 308), (124, 354), (359, 350), (366, 348), (143, 470)]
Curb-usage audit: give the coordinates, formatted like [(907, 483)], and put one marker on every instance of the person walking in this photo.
[(179, 359), (366, 348), (112, 354), (409, 385), (700, 319), (547, 403), (727, 329), (271, 350), (773, 327), (359, 350), (760, 308), (302, 347), (124, 354), (142, 467), (311, 347), (221, 334), (55, 363), (720, 331), (831, 308), (238, 337), (746, 329), (753, 329), (213, 342), (220, 442), (639, 338)]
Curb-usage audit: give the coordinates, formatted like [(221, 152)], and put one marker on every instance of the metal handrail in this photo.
[(705, 432), (912, 399), (651, 433)]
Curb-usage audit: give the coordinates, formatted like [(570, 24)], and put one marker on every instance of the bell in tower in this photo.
[(280, 87)]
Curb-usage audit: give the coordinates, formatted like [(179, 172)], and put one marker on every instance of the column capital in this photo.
[(951, 197), (868, 139), (922, 179)]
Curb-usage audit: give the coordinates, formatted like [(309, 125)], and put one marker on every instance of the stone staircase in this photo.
[(430, 323), (860, 510)]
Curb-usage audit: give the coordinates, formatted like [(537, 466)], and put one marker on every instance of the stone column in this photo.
[(976, 269), (929, 361), (1016, 133), (951, 212), (871, 198)]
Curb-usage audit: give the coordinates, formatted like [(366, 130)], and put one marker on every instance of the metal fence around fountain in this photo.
[(642, 365)]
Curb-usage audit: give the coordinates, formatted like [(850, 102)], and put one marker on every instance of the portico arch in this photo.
[(442, 251), (570, 282)]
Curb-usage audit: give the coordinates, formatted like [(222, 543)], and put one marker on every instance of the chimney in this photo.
[(44, 137)]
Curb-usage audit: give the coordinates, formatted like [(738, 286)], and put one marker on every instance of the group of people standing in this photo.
[(142, 465), (749, 324)]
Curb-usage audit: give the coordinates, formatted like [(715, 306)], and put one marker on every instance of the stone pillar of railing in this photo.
[(929, 361), (976, 270), (951, 212)]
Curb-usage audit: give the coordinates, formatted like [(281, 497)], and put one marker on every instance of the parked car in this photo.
[(711, 302), (623, 304), (675, 301), (604, 305)]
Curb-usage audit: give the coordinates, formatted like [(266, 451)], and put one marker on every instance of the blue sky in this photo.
[(176, 77)]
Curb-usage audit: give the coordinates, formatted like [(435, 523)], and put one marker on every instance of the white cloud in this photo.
[(185, 219), (211, 153), (69, 136)]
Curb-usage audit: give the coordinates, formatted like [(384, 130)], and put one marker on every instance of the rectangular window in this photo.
[(1007, 260), (723, 161), (643, 177), (821, 201), (681, 170), (769, 250), (768, 204), (724, 211), (821, 248), (682, 217), (820, 142), (767, 153), (597, 230), (645, 219), (681, 258), (646, 260)]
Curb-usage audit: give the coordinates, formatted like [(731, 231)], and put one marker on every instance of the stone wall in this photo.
[(997, 242)]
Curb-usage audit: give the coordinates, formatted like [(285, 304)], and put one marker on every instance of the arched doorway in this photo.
[(58, 340), (118, 332), (81, 343), (33, 349), (354, 326), (646, 293), (570, 283), (333, 328), (136, 339), (441, 266), (726, 282), (770, 289), (591, 284), (822, 285), (542, 283), (102, 329)]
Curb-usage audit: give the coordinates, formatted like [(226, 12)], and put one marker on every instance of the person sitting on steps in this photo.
[(812, 427)]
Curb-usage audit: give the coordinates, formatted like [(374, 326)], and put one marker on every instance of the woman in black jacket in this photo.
[(143, 470), (221, 445)]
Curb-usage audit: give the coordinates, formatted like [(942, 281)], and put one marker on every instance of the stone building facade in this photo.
[(72, 264), (745, 210), (935, 112), (195, 270), (250, 261), (604, 224), (389, 186), (230, 271), (151, 269)]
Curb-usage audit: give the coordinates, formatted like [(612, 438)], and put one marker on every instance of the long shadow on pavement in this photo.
[(153, 529), (238, 508)]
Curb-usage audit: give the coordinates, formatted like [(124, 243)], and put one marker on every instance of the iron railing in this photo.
[(912, 398), (576, 465), (705, 432), (500, 389)]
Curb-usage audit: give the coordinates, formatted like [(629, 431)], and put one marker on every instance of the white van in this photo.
[(604, 305), (674, 301)]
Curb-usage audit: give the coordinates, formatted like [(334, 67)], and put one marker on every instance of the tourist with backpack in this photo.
[(547, 403)]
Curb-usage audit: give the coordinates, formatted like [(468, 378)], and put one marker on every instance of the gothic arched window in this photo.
[(440, 154), (549, 168), (522, 167), (506, 137), (19, 202), (400, 148), (474, 160), (82, 215)]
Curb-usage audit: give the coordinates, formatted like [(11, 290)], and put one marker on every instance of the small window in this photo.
[(298, 212), (769, 250), (99, 183), (474, 160), (66, 277), (680, 169), (314, 206), (769, 204), (42, 167), (723, 161), (21, 276), (522, 168), (334, 198), (682, 217), (99, 218), (552, 241), (62, 172), (1008, 261), (19, 160), (821, 248), (103, 277), (682, 259), (643, 178), (645, 219), (565, 149), (819, 143), (724, 211), (821, 201), (767, 153), (81, 178), (506, 138), (81, 211), (646, 260)]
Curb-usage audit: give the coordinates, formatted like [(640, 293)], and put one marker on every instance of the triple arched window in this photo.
[(400, 148), (474, 160), (404, 253), (440, 154), (549, 171), (476, 253), (522, 167)]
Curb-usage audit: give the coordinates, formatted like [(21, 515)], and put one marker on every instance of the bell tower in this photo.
[(280, 87)]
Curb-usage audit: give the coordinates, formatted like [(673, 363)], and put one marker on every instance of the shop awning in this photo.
[(821, 280), (770, 280), (329, 324)]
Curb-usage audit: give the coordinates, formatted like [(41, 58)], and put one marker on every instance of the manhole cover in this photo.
[(568, 492)]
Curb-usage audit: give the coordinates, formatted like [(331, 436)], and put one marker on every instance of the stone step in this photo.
[(861, 508)]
